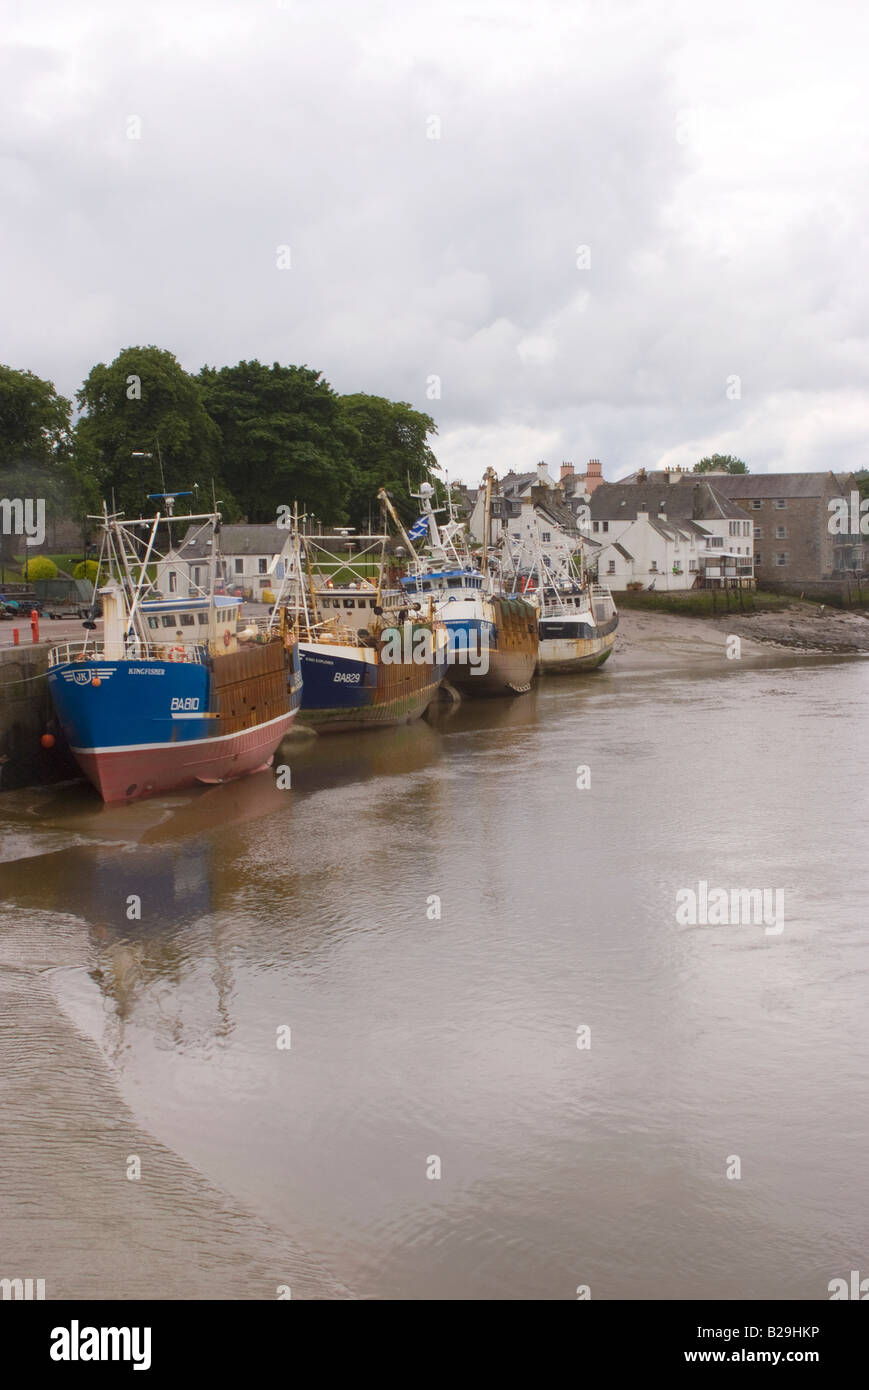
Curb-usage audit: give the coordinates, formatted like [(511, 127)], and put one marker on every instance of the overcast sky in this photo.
[(712, 157)]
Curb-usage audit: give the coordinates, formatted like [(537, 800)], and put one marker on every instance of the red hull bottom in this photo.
[(128, 774)]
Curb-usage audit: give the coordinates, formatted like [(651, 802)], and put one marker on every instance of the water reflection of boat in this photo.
[(171, 695), (101, 882)]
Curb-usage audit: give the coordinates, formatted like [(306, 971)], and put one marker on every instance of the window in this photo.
[(349, 603), (756, 504), (203, 619), (187, 620), (153, 622), (605, 526), (611, 568), (758, 558), (263, 566), (173, 582), (782, 557), (746, 528), (781, 533), (595, 526), (239, 566), (733, 528), (168, 620), (692, 566), (716, 542), (196, 576), (546, 537), (780, 503), (653, 565), (758, 533)]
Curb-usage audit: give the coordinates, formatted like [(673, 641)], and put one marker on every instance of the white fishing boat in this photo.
[(577, 618)]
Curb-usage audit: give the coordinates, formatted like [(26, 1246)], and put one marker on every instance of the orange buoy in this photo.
[(47, 740), (95, 680)]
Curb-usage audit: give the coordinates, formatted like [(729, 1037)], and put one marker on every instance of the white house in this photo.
[(673, 537), (530, 517), (251, 559)]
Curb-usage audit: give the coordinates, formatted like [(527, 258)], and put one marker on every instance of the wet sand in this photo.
[(70, 1214), (653, 641), (656, 640)]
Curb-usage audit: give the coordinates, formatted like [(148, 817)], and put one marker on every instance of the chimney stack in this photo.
[(566, 471), (593, 475)]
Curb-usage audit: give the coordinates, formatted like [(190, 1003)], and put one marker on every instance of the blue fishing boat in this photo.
[(170, 694), (369, 658)]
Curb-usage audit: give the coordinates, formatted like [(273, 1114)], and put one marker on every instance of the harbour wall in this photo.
[(845, 592), (25, 714)]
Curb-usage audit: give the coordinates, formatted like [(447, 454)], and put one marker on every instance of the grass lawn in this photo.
[(706, 603)]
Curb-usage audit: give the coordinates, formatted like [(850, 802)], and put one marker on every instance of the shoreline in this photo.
[(677, 640)]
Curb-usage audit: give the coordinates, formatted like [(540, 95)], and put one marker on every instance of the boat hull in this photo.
[(567, 655), (128, 774), (493, 647), (345, 689)]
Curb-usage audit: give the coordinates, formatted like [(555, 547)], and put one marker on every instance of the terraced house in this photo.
[(657, 532), (790, 513)]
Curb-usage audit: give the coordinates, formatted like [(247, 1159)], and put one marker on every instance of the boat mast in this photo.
[(143, 569), (384, 497), (314, 614), (484, 565)]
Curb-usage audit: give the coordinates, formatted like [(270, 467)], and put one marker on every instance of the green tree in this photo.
[(720, 462), (388, 444), (36, 459), (280, 438), (144, 402)]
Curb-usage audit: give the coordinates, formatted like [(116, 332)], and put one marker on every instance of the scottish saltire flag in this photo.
[(418, 529)]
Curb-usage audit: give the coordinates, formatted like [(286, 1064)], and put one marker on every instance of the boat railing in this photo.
[(556, 608), (87, 650)]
